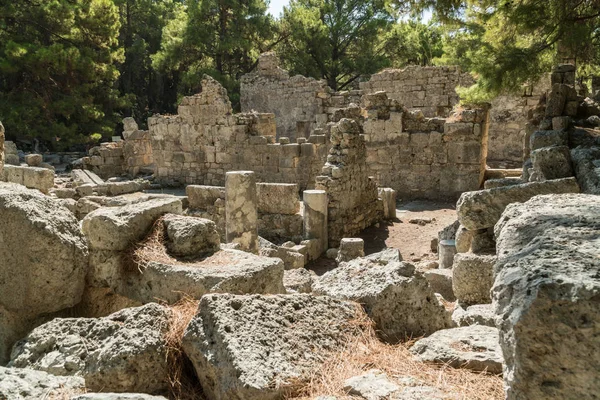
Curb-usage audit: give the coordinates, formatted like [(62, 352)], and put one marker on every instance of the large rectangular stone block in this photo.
[(278, 198), (200, 196)]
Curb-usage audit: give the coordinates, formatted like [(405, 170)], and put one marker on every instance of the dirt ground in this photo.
[(413, 240)]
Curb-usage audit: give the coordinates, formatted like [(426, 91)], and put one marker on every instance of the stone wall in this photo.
[(420, 157), (353, 198), (205, 140), (509, 116), (296, 101), (429, 89), (105, 160)]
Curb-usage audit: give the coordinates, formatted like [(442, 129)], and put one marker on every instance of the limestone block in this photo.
[(483, 208), (586, 171), (11, 159), (278, 198), (28, 384), (298, 280), (240, 209), (397, 298), (118, 188), (472, 347), (552, 162), (117, 228), (43, 256), (472, 277), (190, 236), (541, 139), (33, 160), (245, 347), (315, 217), (124, 352), (388, 195), (478, 314), (463, 240), (41, 179), (201, 197), (446, 252), (440, 281), (546, 296), (12, 174), (350, 248), (230, 271), (373, 385)]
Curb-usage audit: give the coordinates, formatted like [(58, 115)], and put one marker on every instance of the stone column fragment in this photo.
[(315, 216), (240, 210), (446, 251), (388, 195)]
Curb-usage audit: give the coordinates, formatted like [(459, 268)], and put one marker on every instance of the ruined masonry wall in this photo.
[(353, 198), (420, 157), (205, 140), (429, 89)]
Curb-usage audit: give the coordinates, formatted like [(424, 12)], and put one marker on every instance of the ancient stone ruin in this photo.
[(221, 255)]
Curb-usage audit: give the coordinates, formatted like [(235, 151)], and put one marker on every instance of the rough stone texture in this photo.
[(430, 89), (353, 199), (440, 281), (296, 101), (551, 163), (540, 139), (586, 164), (240, 210), (472, 347), (421, 157), (315, 218), (28, 384), (190, 236), (250, 347), (394, 295), (546, 296), (373, 385), (41, 179), (483, 208), (1, 147), (480, 314), (33, 160), (388, 196), (116, 228), (277, 198), (350, 248), (230, 271), (472, 277), (43, 259), (298, 280), (117, 396), (124, 352), (291, 256), (463, 240), (494, 183)]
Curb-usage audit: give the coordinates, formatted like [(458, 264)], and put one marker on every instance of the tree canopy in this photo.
[(71, 69)]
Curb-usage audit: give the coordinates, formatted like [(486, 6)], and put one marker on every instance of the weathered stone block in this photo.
[(546, 297), (552, 163), (472, 278), (278, 198)]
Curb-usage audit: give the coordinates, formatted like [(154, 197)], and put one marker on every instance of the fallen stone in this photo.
[(190, 236), (586, 163), (552, 162), (373, 385), (393, 294), (229, 271), (350, 248), (482, 241), (440, 281), (124, 352), (117, 228), (472, 347), (43, 259), (464, 237), (252, 347), (495, 183), (420, 221), (277, 198), (483, 208), (291, 258), (298, 280), (64, 193), (28, 384), (33, 160), (472, 277), (480, 314), (540, 139), (546, 296), (385, 256)]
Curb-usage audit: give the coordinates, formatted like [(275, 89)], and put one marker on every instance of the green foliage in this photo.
[(474, 94), (58, 63), (221, 38), (337, 40), (413, 42)]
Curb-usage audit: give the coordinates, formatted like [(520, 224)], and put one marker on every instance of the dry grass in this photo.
[(152, 248), (365, 351), (183, 382)]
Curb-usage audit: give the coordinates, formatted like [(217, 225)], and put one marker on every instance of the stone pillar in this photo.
[(446, 251), (388, 195), (240, 210), (315, 216)]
